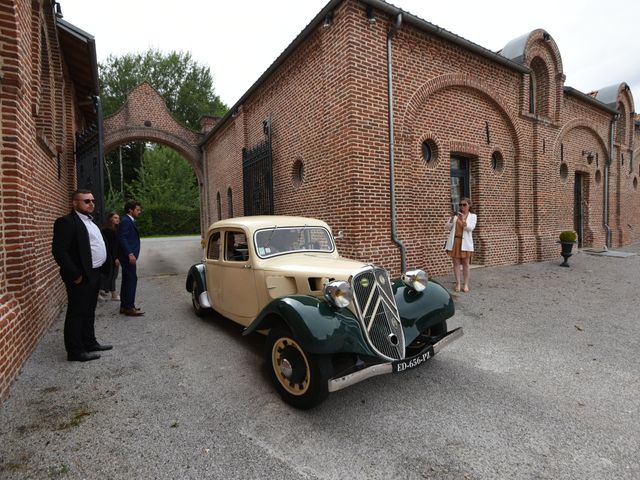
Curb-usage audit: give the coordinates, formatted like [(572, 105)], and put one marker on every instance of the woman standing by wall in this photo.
[(459, 244), (110, 235)]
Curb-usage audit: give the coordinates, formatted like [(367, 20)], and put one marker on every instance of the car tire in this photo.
[(300, 378), (426, 337), (195, 299), (439, 329)]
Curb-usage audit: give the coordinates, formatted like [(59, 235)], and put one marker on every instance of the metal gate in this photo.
[(90, 161), (257, 176)]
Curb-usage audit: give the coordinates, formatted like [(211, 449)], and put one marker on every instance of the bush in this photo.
[(568, 236), (168, 220)]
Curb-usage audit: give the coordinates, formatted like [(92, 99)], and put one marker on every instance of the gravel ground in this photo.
[(544, 385)]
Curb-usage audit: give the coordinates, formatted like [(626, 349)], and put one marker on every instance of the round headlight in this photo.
[(338, 293), (416, 279)]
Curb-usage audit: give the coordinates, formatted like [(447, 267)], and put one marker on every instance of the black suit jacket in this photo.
[(71, 248)]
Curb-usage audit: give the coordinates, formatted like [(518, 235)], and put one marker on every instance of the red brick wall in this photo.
[(37, 125), (328, 102)]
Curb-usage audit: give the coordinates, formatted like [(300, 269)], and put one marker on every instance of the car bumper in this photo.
[(339, 383), (203, 298)]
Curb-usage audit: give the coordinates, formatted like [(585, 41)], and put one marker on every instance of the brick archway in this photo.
[(144, 116)]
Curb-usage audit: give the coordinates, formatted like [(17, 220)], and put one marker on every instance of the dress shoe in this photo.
[(132, 312), (99, 348), (82, 357), (123, 310)]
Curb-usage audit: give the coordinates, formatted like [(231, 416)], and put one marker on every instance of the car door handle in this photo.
[(246, 266)]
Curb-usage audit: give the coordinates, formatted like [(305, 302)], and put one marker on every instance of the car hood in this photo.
[(313, 265)]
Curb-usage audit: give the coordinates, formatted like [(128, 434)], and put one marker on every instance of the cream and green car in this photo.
[(330, 321)]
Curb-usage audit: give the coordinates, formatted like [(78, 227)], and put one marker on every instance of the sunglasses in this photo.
[(89, 200), (462, 204)]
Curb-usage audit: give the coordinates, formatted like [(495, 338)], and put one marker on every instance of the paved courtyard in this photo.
[(543, 385)]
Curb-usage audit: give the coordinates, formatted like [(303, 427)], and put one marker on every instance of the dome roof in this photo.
[(514, 50), (608, 95)]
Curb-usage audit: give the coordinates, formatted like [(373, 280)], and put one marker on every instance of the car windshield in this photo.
[(279, 240)]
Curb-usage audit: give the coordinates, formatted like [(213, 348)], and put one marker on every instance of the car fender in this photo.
[(196, 271), (318, 327), (422, 310)]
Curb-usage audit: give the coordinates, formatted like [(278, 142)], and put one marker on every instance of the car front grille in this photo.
[(378, 312)]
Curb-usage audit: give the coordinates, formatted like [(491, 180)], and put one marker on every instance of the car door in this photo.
[(213, 269), (239, 299)]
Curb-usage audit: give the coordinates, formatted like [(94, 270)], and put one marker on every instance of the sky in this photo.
[(238, 40)]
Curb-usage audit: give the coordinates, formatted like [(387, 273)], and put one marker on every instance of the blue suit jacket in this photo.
[(128, 238)]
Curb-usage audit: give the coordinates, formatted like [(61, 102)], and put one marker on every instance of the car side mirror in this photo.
[(340, 235)]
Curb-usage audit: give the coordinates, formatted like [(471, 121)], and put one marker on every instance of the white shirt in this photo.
[(98, 248)]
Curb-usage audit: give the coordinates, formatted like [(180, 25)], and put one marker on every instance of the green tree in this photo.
[(168, 190), (186, 86), (165, 179)]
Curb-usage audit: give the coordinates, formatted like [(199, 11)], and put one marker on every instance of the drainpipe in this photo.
[(607, 164), (394, 232)]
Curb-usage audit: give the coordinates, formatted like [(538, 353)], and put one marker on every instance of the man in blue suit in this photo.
[(128, 253)]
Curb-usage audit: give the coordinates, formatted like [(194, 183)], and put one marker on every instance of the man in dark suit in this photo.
[(128, 253), (79, 250)]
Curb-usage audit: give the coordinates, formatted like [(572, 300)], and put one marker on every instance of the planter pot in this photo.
[(567, 247)]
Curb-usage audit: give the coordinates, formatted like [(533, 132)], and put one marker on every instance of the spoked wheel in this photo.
[(300, 378), (195, 300)]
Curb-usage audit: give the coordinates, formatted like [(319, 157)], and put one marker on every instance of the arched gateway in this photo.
[(144, 116)]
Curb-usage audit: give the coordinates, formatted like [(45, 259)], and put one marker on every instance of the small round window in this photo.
[(429, 152), (497, 162), (564, 171), (298, 172)]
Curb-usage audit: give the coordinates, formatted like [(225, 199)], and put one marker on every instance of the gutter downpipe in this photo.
[(394, 231), (606, 181)]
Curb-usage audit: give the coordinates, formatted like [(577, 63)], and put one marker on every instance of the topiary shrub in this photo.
[(568, 236)]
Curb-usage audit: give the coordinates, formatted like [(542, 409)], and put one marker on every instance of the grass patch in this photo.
[(58, 471), (76, 418)]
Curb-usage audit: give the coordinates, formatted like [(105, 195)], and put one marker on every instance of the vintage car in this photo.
[(330, 321)]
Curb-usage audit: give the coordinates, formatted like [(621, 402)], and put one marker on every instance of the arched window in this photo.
[(230, 202), (44, 106), (621, 125), (219, 206), (532, 93), (540, 88)]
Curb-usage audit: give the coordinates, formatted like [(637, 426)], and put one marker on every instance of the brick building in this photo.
[(532, 153), (48, 74), (501, 127)]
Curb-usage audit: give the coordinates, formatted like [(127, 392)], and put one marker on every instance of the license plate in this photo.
[(405, 364)]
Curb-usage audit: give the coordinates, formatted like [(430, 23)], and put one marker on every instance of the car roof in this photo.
[(258, 222)]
